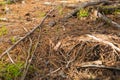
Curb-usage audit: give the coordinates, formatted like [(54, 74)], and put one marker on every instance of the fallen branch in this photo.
[(10, 58), (77, 54), (68, 5), (105, 42), (109, 9), (99, 66), (84, 5), (107, 20), (29, 59), (51, 73), (26, 34), (27, 65)]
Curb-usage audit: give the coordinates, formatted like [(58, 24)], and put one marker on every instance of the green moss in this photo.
[(41, 14), (10, 71), (6, 2), (2, 2), (83, 13), (3, 31), (60, 10), (117, 11)]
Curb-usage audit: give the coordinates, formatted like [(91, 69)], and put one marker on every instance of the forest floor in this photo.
[(65, 48)]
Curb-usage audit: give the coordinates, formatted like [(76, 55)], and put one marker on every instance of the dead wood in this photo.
[(29, 59), (109, 9), (70, 4), (96, 64), (99, 66), (84, 5), (115, 48), (105, 42), (52, 72), (63, 4), (107, 20)]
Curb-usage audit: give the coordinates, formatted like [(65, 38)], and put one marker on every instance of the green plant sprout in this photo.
[(83, 13), (13, 39)]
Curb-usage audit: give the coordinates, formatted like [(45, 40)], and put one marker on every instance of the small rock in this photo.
[(52, 23)]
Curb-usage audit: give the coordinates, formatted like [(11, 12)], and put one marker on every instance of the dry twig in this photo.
[(115, 48), (84, 5), (28, 34), (28, 61), (10, 58), (51, 72), (99, 66), (77, 54), (105, 42), (107, 20)]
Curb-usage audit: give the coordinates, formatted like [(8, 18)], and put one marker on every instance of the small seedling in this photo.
[(13, 40), (83, 13), (3, 31)]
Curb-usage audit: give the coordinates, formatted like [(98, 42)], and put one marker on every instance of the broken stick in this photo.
[(84, 5), (107, 20), (105, 42), (100, 66), (28, 34)]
